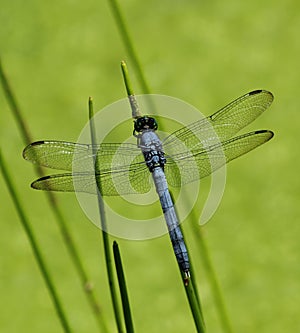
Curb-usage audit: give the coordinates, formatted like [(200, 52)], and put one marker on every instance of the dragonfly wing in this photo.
[(70, 156), (130, 178), (221, 125), (64, 183), (121, 167), (131, 181), (59, 154), (199, 163)]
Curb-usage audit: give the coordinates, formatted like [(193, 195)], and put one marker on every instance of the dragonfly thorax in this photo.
[(151, 147)]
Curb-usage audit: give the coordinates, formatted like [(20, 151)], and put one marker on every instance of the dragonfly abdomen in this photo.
[(171, 220), (151, 147)]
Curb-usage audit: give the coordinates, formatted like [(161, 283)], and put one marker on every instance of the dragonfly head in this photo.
[(145, 123)]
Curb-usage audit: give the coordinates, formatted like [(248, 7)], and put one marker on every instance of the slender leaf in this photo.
[(123, 289), (35, 248), (103, 221)]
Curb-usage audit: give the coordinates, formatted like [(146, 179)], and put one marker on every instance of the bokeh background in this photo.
[(58, 53)]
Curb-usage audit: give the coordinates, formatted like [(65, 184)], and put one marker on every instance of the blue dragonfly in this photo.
[(180, 158)]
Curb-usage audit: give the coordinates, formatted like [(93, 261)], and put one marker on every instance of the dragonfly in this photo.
[(178, 159)]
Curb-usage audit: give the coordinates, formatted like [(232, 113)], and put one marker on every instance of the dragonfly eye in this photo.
[(145, 123)]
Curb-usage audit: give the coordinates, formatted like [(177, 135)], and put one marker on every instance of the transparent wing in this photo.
[(198, 163), (119, 184), (122, 169), (220, 126), (62, 155)]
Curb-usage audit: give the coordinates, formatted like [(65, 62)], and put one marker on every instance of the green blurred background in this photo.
[(58, 53)]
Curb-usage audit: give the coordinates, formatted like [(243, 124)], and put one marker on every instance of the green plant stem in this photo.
[(128, 44), (59, 217), (195, 307), (35, 248), (101, 207), (123, 289), (126, 78), (132, 100)]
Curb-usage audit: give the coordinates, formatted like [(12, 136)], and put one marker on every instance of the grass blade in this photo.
[(129, 44), (133, 103), (123, 289), (59, 217), (35, 248), (101, 206), (195, 306)]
